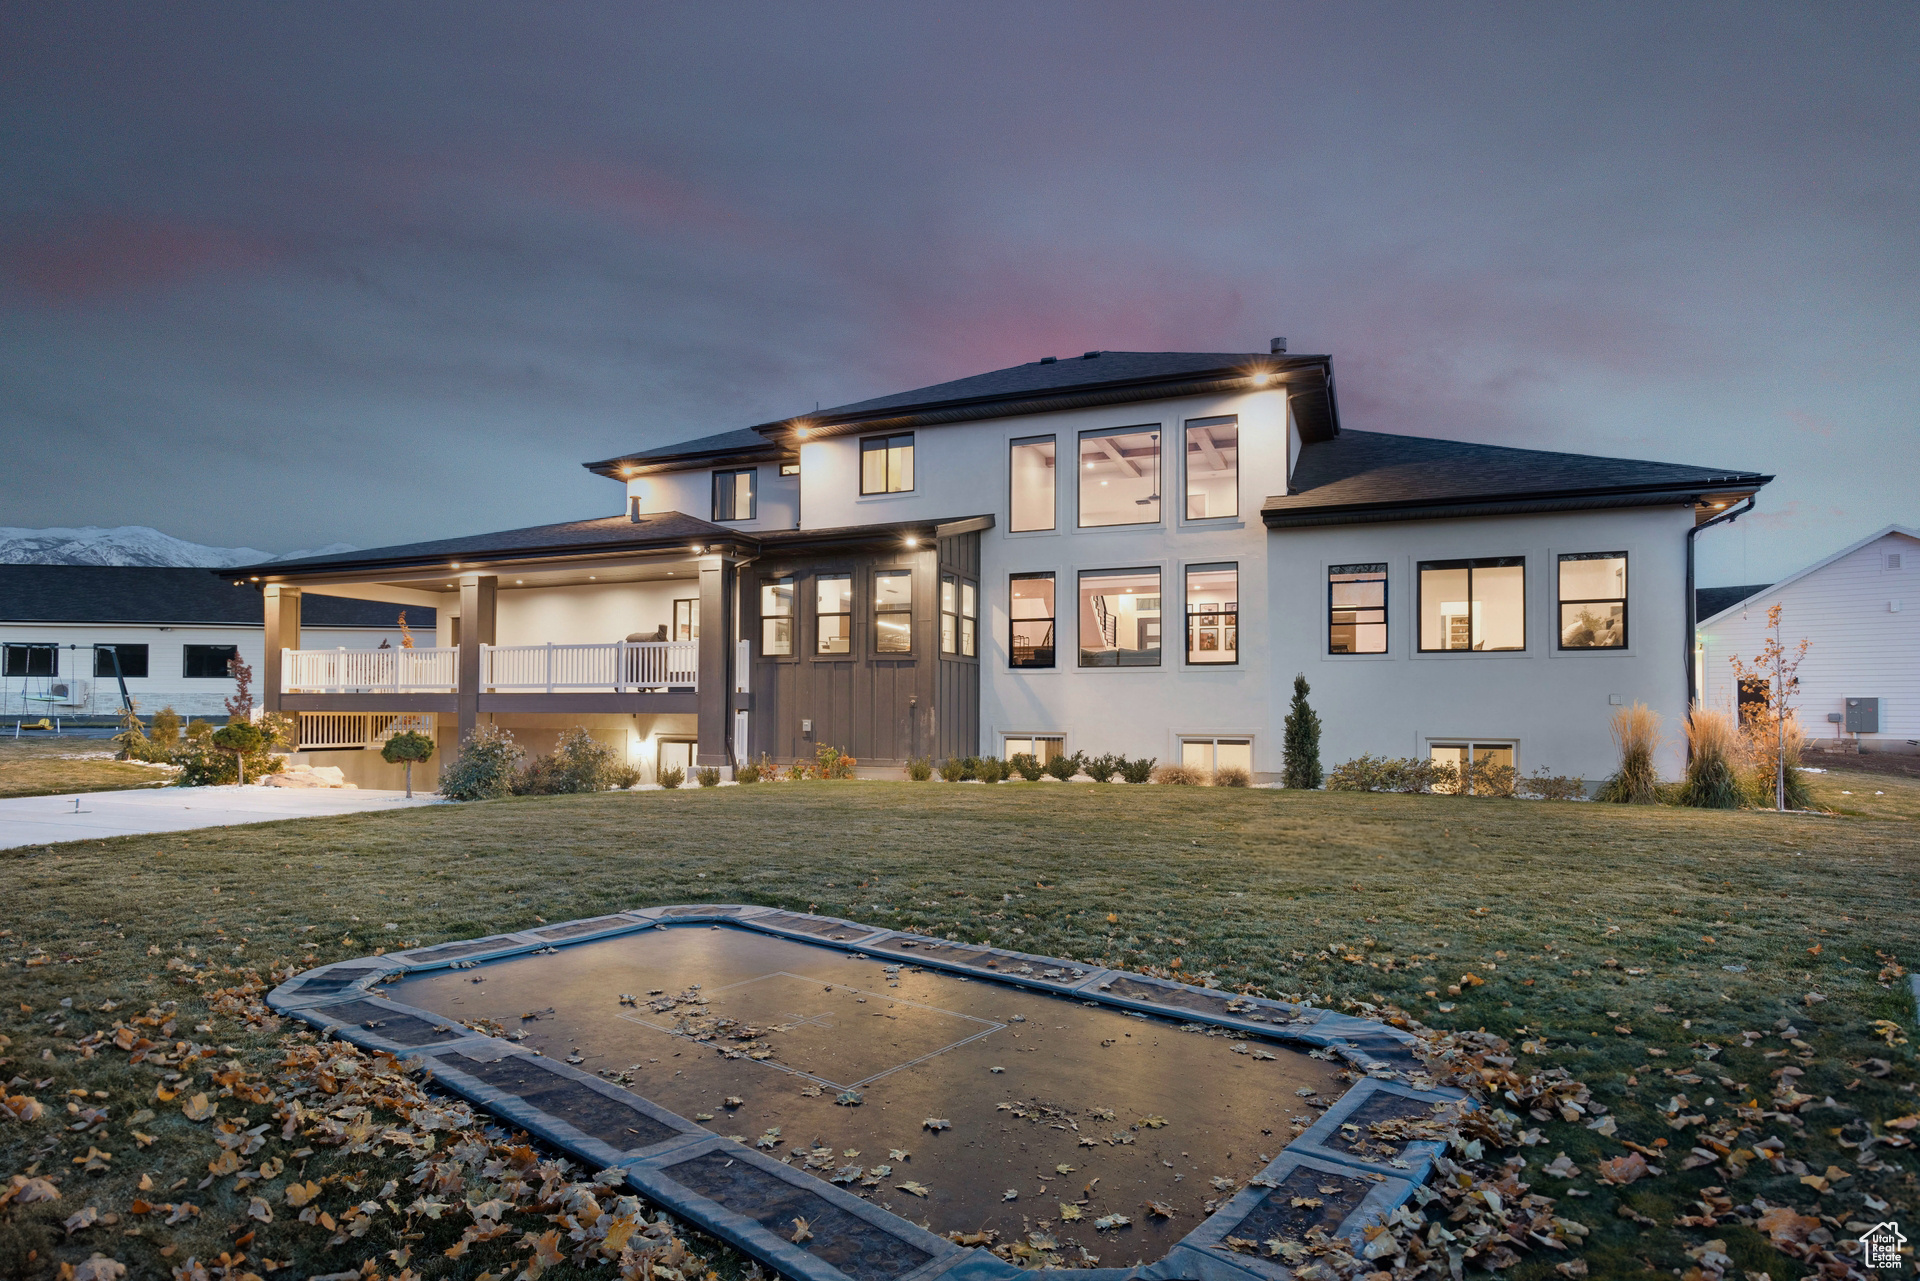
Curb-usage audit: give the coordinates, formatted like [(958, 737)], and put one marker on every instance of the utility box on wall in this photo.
[(1863, 716)]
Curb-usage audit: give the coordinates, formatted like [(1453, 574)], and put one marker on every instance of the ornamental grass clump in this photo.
[(1232, 776), (1713, 748), (1636, 730), (1180, 776)]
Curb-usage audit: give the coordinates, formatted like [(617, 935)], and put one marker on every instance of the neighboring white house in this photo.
[(1859, 609), (1122, 552), (173, 631)]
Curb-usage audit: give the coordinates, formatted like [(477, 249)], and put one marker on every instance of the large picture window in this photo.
[(1030, 612), (1593, 600), (209, 662), (893, 611), (1120, 618), (833, 614), (1120, 477), (1213, 614), (1356, 609), (1213, 467), (1473, 604), (1032, 472), (886, 464), (733, 494), (133, 660), (32, 660), (776, 617)]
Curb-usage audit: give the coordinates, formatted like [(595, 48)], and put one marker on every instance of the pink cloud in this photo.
[(99, 255)]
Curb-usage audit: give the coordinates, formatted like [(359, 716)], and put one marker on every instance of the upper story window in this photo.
[(686, 619), (1593, 600), (1120, 477), (969, 619), (1120, 618), (1213, 614), (833, 614), (133, 660), (1032, 482), (776, 617), (1213, 467), (1473, 604), (893, 611), (1030, 611), (32, 660), (886, 464), (209, 662), (733, 494), (789, 469), (1356, 609)]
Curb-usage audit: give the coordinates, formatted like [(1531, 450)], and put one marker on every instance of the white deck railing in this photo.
[(369, 671), (358, 729), (621, 665)]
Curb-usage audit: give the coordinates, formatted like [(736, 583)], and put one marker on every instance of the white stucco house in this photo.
[(1859, 611), (1119, 552), (172, 630)]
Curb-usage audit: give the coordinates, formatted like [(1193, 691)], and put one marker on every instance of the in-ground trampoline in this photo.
[(915, 1101)]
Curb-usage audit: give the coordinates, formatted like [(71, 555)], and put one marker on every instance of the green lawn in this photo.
[(1617, 942), (31, 766)]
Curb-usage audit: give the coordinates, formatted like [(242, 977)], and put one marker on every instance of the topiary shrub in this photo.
[(1101, 769), (1064, 767), (708, 776), (1232, 776), (1180, 776), (672, 776), (485, 768), (1140, 771), (239, 739), (1027, 765), (407, 747), (919, 768)]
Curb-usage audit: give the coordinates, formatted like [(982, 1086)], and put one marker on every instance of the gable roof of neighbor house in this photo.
[(1814, 568), (606, 533), (1040, 386), (1365, 476), (169, 597), (1708, 601)]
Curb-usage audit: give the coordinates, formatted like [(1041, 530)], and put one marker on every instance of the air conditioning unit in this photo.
[(67, 693)]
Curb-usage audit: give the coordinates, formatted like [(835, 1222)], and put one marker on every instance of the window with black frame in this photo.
[(1120, 617), (949, 614), (207, 662), (886, 464), (1357, 609), (893, 611), (1030, 614), (133, 660), (776, 617), (733, 494), (1593, 600), (1473, 605), (1213, 614), (969, 619), (32, 660), (833, 614)]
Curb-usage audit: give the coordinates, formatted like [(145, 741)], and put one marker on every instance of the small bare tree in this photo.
[(240, 706), (1773, 671)]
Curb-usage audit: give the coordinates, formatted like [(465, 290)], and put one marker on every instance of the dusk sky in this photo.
[(284, 275)]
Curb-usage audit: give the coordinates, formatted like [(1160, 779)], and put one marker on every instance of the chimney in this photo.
[(1278, 347)]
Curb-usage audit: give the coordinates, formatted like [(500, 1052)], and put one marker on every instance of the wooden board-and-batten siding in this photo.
[(879, 708)]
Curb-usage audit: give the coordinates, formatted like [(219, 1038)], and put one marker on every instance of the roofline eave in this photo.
[(1596, 498)]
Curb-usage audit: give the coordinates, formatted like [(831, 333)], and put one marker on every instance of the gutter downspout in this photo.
[(1693, 640)]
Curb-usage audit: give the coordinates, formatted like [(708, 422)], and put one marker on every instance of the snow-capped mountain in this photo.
[(131, 545)]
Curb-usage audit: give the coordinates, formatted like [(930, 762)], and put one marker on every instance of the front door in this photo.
[(676, 753)]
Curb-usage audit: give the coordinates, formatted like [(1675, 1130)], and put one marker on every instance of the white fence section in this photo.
[(369, 671), (358, 729), (621, 665)]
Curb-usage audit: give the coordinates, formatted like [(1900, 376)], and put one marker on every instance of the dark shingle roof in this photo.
[(1365, 476), (742, 443), (607, 532), (168, 596), (1708, 601), (1059, 375)]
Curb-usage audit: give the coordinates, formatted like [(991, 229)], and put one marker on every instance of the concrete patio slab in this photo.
[(94, 816)]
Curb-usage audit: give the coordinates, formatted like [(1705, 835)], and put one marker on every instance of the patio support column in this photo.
[(282, 632), (479, 594), (716, 629)]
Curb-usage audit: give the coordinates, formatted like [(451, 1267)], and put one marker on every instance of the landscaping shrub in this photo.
[(1552, 787), (1763, 745), (1439, 777), (955, 769), (577, 763), (673, 776), (166, 727), (919, 768), (991, 769), (1064, 767), (406, 747), (831, 762), (707, 776), (1101, 769), (1636, 730), (625, 776), (748, 773), (239, 739), (1369, 773), (197, 730), (1364, 773), (1300, 766), (1232, 776), (134, 743), (1140, 771), (1180, 776), (796, 771), (1027, 765), (1485, 778), (485, 768), (1713, 749)]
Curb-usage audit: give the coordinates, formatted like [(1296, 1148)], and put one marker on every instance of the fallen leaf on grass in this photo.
[(198, 1109), (1622, 1170), (911, 1188), (1109, 1221), (84, 1219), (257, 1208), (1561, 1167), (1784, 1224), (298, 1194)]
